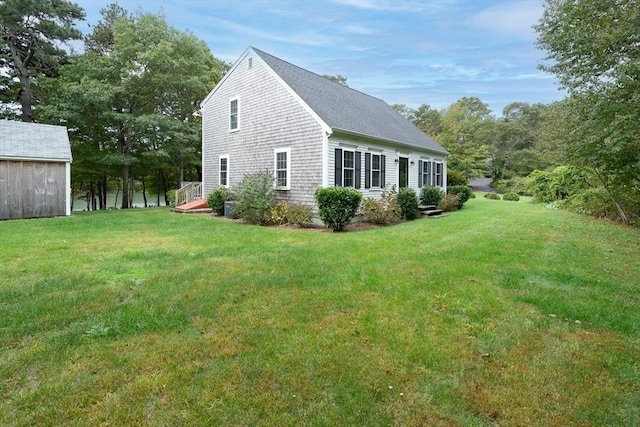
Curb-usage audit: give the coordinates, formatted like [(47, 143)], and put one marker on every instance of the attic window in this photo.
[(250, 63)]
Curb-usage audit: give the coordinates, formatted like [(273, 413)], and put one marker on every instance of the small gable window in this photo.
[(282, 168), (233, 115), (224, 171)]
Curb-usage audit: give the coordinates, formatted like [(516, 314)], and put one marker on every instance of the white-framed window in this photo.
[(224, 171), (375, 171), (234, 114), (374, 167), (348, 168), (282, 167), (431, 172)]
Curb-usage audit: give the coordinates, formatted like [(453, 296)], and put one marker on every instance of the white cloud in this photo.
[(510, 19)]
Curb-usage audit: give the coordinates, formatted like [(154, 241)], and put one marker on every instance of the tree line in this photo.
[(131, 98)]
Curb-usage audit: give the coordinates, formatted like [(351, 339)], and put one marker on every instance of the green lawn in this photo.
[(501, 314)]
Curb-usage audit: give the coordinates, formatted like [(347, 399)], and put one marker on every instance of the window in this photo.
[(374, 165), (348, 168), (233, 115), (224, 171), (282, 168), (430, 173)]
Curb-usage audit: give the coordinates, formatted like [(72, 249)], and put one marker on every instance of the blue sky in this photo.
[(409, 52)]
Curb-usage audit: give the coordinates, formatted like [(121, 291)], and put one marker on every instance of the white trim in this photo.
[(67, 173), (33, 159), (223, 156), (325, 159), (277, 151), (237, 100)]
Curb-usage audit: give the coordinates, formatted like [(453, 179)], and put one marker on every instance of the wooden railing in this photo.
[(189, 192)]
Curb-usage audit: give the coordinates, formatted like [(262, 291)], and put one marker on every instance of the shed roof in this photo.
[(20, 140), (348, 110)]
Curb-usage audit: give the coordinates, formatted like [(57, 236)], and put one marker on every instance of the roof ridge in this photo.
[(261, 52)]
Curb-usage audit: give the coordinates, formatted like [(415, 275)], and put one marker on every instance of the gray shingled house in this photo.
[(35, 170), (268, 114)]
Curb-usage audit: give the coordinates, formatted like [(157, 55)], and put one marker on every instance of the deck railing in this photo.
[(189, 192)]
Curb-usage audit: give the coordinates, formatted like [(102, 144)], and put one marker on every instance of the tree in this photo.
[(467, 130), (131, 99), (32, 31), (593, 49), (338, 78)]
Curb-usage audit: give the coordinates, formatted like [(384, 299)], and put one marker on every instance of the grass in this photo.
[(500, 314)]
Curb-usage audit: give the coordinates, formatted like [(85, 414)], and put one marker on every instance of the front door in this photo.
[(403, 173)]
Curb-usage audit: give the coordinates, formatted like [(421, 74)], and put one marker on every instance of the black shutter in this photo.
[(383, 167), (358, 170), (419, 173), (367, 170), (338, 160)]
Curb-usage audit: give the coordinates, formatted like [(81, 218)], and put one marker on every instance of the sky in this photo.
[(410, 52)]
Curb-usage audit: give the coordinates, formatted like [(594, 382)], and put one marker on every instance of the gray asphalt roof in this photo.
[(348, 110), (34, 141)]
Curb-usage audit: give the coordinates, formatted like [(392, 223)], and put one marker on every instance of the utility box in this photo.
[(228, 210)]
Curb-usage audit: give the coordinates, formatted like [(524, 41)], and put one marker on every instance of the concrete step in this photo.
[(426, 207)]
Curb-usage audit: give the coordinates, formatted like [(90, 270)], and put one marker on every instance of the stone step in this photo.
[(426, 207), (431, 212)]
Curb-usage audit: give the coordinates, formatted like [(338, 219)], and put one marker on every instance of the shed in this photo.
[(35, 170)]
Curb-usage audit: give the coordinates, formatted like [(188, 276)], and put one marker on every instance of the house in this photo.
[(35, 170), (268, 114)]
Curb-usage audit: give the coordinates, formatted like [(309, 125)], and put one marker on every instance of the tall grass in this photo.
[(502, 313)]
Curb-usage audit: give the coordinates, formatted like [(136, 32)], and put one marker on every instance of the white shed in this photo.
[(35, 170)]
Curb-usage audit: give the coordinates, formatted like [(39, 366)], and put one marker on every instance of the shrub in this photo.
[(171, 197), (431, 195), (216, 199), (449, 203), (408, 202), (277, 214), (384, 210), (337, 206), (254, 196), (455, 177), (463, 192), (512, 197), (492, 196), (299, 214)]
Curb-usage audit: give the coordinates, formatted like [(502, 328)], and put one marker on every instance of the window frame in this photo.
[(235, 115), (374, 170), (226, 171), (352, 169), (287, 168)]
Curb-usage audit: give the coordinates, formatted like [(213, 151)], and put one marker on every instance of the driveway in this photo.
[(481, 184)]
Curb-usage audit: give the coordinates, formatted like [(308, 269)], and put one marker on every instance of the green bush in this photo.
[(492, 196), (171, 197), (254, 197), (449, 203), (463, 192), (384, 210), (277, 214), (512, 197), (408, 202), (559, 184), (431, 195), (216, 199), (455, 177), (337, 206)]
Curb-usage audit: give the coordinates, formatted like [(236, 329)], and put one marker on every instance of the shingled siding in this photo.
[(32, 189), (270, 118)]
